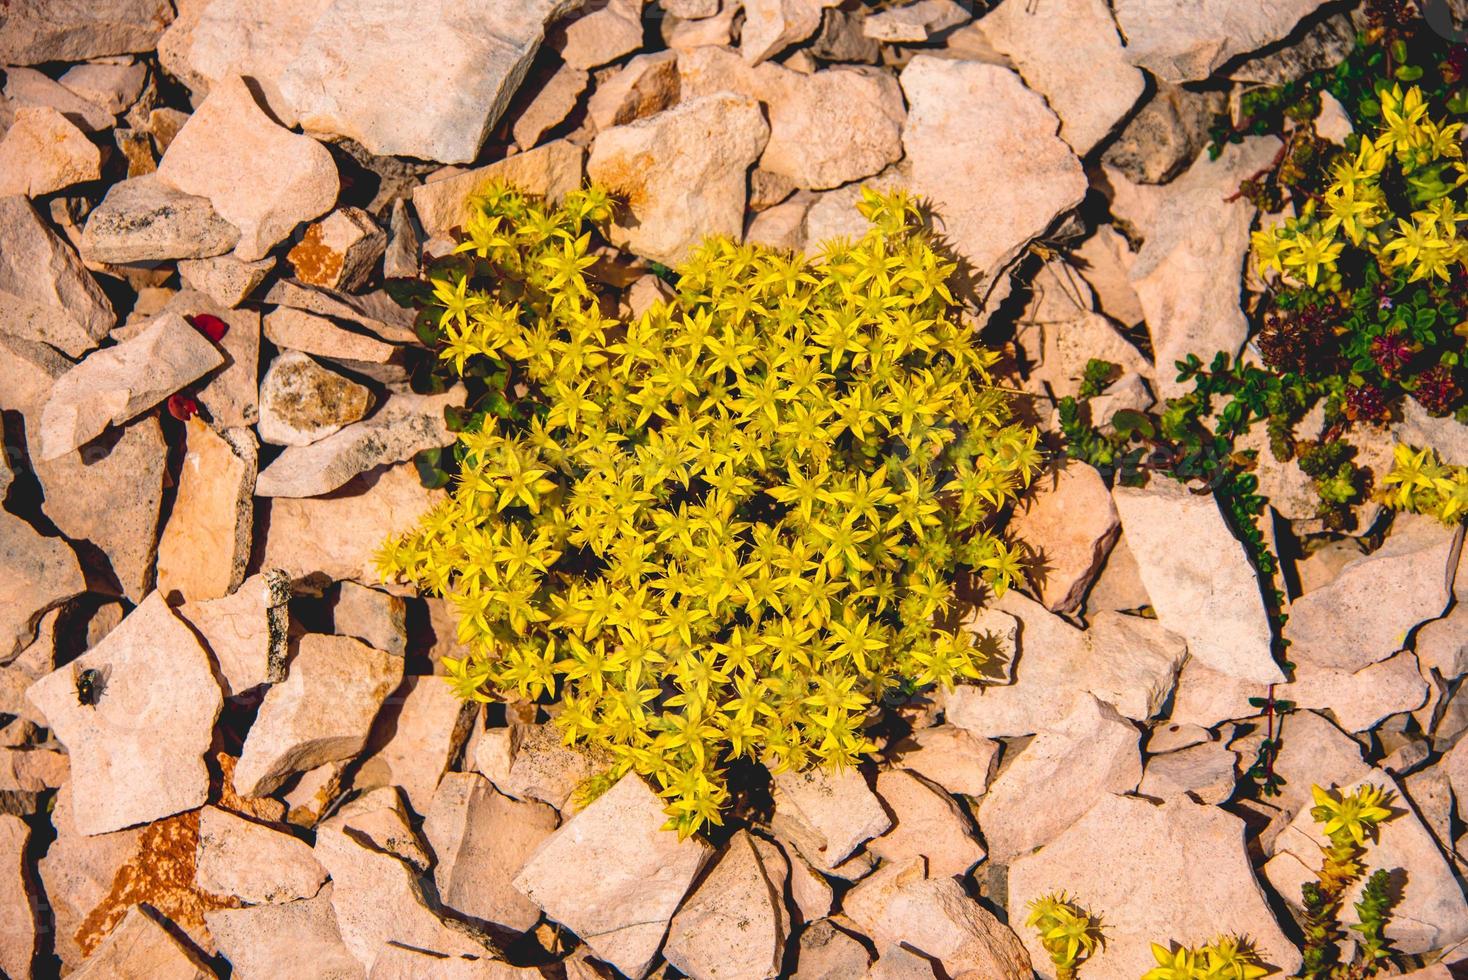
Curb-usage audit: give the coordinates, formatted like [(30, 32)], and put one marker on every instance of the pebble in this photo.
[(302, 401)]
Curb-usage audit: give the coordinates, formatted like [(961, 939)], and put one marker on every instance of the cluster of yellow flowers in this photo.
[(732, 523), (1226, 958), (1421, 483), (1355, 209)]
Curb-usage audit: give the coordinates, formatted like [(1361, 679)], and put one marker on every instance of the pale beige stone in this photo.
[(113, 85), (42, 153), (958, 761), (1069, 523), (647, 84), (734, 924), (1105, 260), (18, 935), (899, 904), (260, 177), (302, 402), (375, 617), (231, 395), (826, 815), (28, 87), (770, 26), (379, 817), (481, 839), (546, 769), (37, 31), (245, 631), (613, 876), (206, 543), (294, 941), (429, 724), (141, 946), (603, 31), (335, 537), (253, 862), (828, 953), (1205, 772), (857, 110), (913, 23), (142, 219), (682, 171), (1187, 40), (226, 279), (109, 493), (550, 171), (1361, 699), (1206, 592), (137, 753), (322, 712), (552, 104), (309, 333), (121, 382), (46, 294), (1184, 874), (985, 150), (927, 823)]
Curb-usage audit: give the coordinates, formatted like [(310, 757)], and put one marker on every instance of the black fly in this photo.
[(89, 685)]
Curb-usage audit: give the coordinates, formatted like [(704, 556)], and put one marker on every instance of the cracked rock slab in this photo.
[(206, 543), (137, 754), (46, 294), (143, 219)]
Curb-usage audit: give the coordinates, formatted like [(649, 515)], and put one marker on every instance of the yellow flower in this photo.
[(1401, 121), (1312, 253), (1353, 816)]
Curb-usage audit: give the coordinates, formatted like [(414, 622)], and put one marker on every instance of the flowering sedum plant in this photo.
[(1421, 483), (728, 526)]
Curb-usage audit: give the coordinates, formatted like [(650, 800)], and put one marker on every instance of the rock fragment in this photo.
[(825, 815), (1070, 53), (544, 768), (380, 819), (322, 712), (141, 946), (1204, 772), (46, 294), (267, 180), (18, 938), (1186, 876), (927, 823), (428, 725), (348, 77), (1383, 596), (372, 616), (142, 219), (481, 839), (951, 757), (613, 876), (293, 941), (1165, 135), (231, 396), (28, 87), (404, 425), (121, 382), (252, 862), (770, 26), (339, 251), (42, 153), (1069, 523), (647, 84), (734, 924), (1362, 699), (1184, 41), (552, 104), (996, 170), (118, 511), (1206, 592), (224, 278), (113, 85), (309, 333), (137, 753), (683, 172), (828, 953), (603, 31), (302, 402), (37, 31), (1093, 750), (549, 171), (206, 543), (245, 631)]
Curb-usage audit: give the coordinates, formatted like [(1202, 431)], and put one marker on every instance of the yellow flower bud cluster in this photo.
[(1421, 483), (731, 524)]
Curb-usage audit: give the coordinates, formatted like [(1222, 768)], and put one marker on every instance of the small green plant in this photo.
[(1226, 958), (1349, 821), (730, 526), (1068, 932), (1420, 483)]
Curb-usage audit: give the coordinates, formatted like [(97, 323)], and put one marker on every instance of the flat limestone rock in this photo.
[(252, 862), (1430, 912), (336, 536), (614, 877), (339, 251), (119, 383), (377, 900), (1070, 53), (224, 278), (322, 712), (46, 294), (1206, 592), (349, 77), (482, 840), (231, 395), (734, 924), (602, 31), (109, 492), (1070, 523), (646, 84), (428, 725), (37, 574), (1383, 596), (18, 938), (549, 171), (143, 219), (42, 152), (1183, 875), (949, 756), (770, 26), (1187, 40), (827, 816), (309, 333), (404, 425), (683, 172), (245, 631), (302, 402), (114, 85), (37, 31), (927, 823), (986, 150), (137, 754), (260, 177), (293, 941), (1093, 750), (140, 946), (206, 543)]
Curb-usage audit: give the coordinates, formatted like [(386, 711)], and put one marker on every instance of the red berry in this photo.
[(209, 325)]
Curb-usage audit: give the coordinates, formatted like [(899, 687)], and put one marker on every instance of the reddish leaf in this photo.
[(209, 325), (182, 406)]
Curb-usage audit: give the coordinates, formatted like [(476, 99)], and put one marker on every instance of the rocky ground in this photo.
[(207, 425)]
